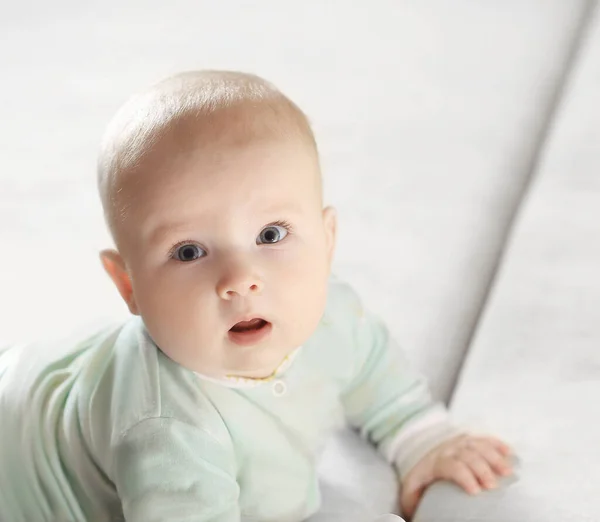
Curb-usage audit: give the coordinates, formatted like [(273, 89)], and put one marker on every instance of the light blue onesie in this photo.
[(111, 429)]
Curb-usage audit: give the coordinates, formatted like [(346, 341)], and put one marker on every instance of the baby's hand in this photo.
[(471, 462)]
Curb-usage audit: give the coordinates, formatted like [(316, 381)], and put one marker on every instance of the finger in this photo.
[(409, 498), (499, 462), (501, 446), (480, 468), (459, 473)]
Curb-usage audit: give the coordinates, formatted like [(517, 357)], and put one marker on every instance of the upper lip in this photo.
[(247, 317)]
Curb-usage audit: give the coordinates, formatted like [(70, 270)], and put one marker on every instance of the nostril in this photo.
[(254, 288)]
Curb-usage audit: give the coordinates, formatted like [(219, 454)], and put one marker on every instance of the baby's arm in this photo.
[(391, 406), (165, 469)]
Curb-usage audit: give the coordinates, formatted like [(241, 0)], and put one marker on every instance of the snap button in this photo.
[(279, 388)]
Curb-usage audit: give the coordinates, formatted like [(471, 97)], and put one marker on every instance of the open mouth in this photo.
[(250, 332), (249, 326)]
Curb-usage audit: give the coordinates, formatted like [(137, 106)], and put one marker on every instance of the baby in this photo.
[(243, 353)]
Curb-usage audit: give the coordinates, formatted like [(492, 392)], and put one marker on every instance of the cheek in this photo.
[(170, 294), (302, 256), (177, 312), (300, 283), (300, 278), (295, 272)]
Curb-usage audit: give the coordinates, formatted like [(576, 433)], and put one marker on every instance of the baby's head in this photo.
[(211, 188)]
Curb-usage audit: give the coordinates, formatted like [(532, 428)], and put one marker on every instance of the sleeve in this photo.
[(387, 401), (169, 471)]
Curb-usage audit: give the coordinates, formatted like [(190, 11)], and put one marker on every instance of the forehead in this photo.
[(257, 178)]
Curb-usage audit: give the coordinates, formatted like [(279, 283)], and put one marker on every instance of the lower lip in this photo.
[(251, 336)]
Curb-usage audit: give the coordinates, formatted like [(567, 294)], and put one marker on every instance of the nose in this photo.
[(238, 281)]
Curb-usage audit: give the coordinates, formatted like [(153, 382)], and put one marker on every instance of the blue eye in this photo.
[(188, 252), (271, 234)]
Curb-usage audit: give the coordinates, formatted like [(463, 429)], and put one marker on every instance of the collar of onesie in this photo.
[(234, 381)]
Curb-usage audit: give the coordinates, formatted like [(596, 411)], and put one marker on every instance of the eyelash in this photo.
[(280, 223)]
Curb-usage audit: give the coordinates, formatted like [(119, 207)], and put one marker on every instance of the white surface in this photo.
[(357, 484), (533, 373), (427, 115)]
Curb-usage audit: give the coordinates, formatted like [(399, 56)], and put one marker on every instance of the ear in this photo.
[(330, 223), (115, 267)]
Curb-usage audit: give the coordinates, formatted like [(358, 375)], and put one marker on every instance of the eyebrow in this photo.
[(160, 233)]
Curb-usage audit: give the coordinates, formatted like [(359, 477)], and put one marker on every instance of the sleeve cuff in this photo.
[(418, 438)]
